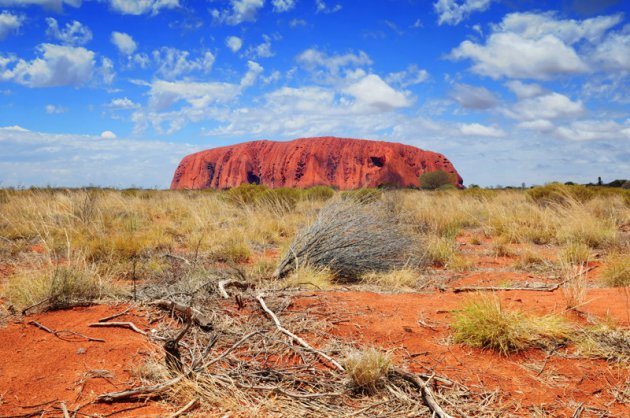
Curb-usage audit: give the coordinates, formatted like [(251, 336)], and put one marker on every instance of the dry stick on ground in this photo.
[(64, 409), (116, 315), (277, 389), (129, 325), (142, 390), (425, 391), (156, 389), (59, 334), (507, 289), (295, 337), (534, 288), (199, 318), (190, 405)]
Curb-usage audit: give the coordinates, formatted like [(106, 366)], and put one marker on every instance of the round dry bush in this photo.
[(351, 237)]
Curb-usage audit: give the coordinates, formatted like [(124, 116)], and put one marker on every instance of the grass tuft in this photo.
[(616, 271), (484, 323), (366, 368)]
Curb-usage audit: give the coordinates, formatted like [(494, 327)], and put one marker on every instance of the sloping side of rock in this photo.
[(340, 162)]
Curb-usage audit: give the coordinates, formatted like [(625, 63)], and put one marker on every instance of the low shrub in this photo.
[(432, 180), (366, 368), (484, 323), (352, 237)]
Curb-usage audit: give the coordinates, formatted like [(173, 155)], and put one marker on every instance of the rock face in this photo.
[(340, 162)]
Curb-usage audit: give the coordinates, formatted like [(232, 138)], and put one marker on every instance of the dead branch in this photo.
[(108, 318), (507, 289), (232, 283), (65, 335), (295, 337), (229, 350), (129, 325), (64, 409), (142, 390), (190, 405), (427, 394), (198, 317)]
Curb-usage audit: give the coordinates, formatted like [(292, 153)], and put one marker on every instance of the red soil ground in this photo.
[(39, 370), (37, 367)]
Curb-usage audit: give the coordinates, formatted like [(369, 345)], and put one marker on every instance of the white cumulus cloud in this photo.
[(173, 62), (58, 65), (412, 75), (473, 97), (239, 11), (283, 5), (122, 103), (234, 43), (372, 91), (52, 109), (74, 33), (9, 22), (314, 59), (141, 7), (124, 42), (537, 46), (476, 129), (453, 12), (55, 5), (548, 106)]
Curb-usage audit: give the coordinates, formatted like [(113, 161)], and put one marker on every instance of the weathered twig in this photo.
[(507, 289), (190, 405), (295, 337), (198, 317), (129, 325), (61, 333), (116, 315), (142, 390), (232, 283), (229, 350), (64, 409), (427, 394)]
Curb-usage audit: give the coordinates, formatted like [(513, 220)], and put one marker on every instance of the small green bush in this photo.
[(484, 323), (437, 179)]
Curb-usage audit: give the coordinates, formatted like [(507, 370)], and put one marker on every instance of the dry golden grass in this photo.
[(366, 368), (485, 323), (616, 272), (400, 279)]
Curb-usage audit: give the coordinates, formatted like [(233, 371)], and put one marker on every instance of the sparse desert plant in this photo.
[(574, 253), (58, 287), (529, 259), (502, 249), (616, 271), (394, 279), (304, 276), (574, 258), (485, 323), (352, 237), (366, 368), (437, 179), (605, 341), (441, 250)]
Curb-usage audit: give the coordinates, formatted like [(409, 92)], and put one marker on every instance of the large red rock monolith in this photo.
[(340, 162)]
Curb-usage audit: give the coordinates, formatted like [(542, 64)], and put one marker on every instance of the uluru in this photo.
[(343, 163)]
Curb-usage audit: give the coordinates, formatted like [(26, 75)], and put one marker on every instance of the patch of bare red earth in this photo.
[(415, 327), (39, 370)]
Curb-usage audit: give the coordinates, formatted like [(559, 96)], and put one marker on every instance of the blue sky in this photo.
[(115, 92)]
